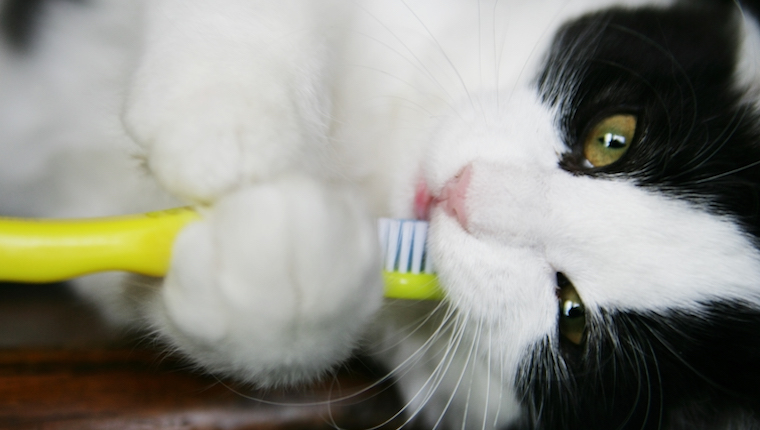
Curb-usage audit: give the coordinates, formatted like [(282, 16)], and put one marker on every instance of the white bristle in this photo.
[(383, 226), (418, 252), (405, 247), (428, 266), (391, 255), (403, 244)]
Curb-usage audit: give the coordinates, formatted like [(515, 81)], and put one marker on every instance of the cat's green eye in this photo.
[(572, 312), (609, 139)]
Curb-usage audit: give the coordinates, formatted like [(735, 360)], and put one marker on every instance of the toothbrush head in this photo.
[(408, 269)]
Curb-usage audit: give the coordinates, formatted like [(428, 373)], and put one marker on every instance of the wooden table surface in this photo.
[(61, 367)]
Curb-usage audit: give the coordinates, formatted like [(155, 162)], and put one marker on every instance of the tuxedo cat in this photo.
[(590, 170)]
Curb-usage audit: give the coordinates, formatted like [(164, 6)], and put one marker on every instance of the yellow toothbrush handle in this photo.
[(422, 286), (38, 251), (49, 251)]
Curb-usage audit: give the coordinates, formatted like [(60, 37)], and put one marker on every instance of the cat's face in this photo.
[(609, 212)]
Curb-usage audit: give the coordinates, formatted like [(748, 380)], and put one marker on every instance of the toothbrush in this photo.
[(408, 271), (38, 251)]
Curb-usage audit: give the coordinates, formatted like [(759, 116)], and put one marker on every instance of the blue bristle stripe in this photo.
[(403, 245)]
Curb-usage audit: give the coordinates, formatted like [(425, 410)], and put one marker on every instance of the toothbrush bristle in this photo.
[(403, 245)]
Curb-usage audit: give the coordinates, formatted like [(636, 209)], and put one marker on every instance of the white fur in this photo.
[(232, 92), (294, 123), (748, 67), (62, 141), (257, 290)]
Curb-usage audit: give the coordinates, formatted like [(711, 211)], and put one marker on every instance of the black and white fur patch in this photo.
[(374, 98), (698, 141)]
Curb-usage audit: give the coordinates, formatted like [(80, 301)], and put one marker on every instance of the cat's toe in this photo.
[(203, 141), (275, 284)]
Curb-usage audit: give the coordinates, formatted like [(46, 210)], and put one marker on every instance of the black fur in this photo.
[(674, 68), (649, 371), (697, 141), (18, 19)]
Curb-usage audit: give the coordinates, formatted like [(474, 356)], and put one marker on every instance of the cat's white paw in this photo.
[(215, 110), (275, 284), (208, 141)]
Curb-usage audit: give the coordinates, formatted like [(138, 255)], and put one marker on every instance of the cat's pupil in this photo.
[(613, 141), (609, 139), (572, 309), (562, 281)]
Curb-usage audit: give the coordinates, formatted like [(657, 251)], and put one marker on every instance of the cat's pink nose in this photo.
[(453, 196), (422, 201)]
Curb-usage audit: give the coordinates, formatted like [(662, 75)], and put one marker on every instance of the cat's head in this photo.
[(597, 225)]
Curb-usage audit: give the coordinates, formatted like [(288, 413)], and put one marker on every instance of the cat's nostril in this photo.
[(422, 201), (453, 196)]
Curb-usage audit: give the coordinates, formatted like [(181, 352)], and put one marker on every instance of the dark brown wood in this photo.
[(134, 388), (103, 381)]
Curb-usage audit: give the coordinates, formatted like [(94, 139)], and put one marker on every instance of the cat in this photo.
[(590, 170)]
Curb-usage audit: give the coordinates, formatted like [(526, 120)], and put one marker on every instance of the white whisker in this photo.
[(442, 51), (438, 374), (475, 347), (497, 53), (480, 44), (461, 374), (421, 323), (430, 386), (450, 320), (488, 379), (418, 64)]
